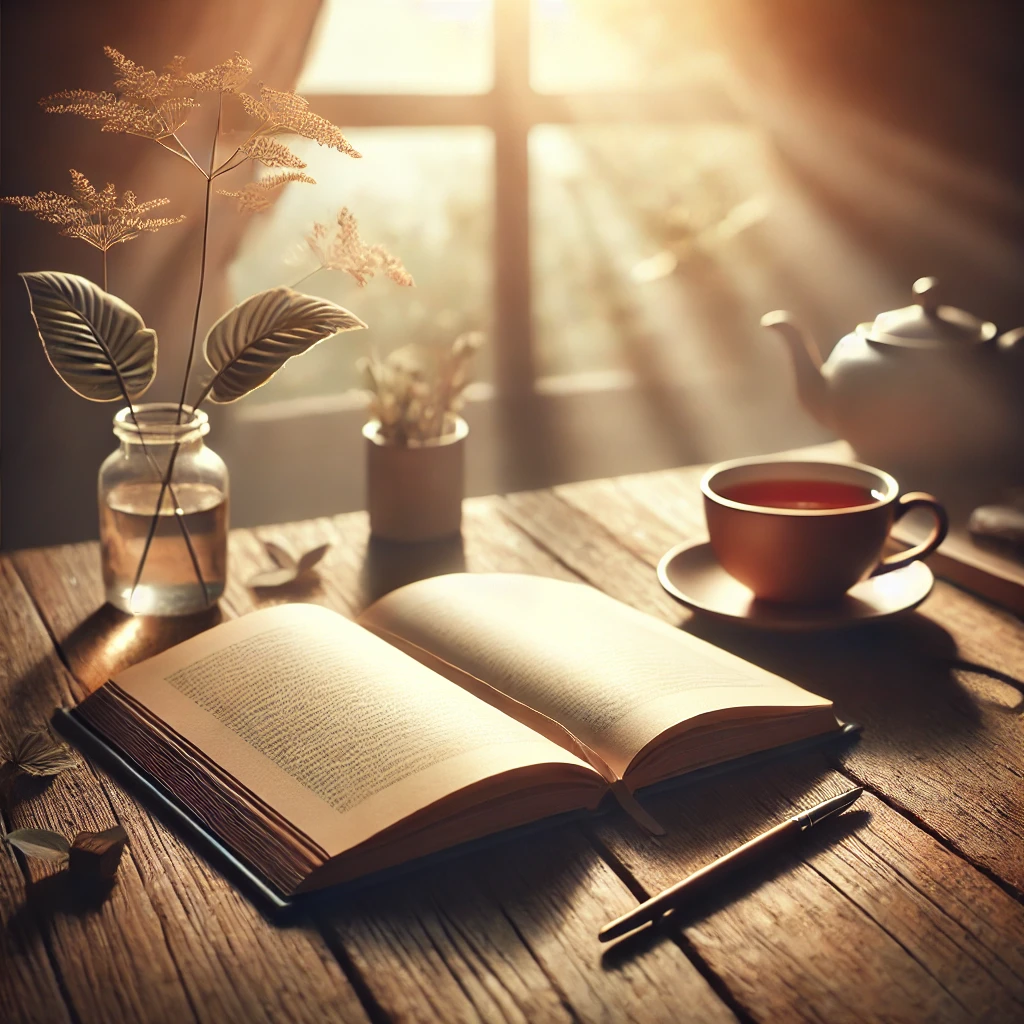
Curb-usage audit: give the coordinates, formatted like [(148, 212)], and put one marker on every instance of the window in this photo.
[(561, 173)]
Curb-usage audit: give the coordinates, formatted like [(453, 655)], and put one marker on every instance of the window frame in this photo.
[(521, 410)]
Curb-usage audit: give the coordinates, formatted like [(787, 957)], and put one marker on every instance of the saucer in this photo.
[(691, 573)]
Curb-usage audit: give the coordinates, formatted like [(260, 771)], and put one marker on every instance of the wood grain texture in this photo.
[(29, 984), (939, 691), (896, 678), (29, 987), (867, 919), (94, 639), (871, 919), (507, 933), (93, 937), (172, 939), (434, 946)]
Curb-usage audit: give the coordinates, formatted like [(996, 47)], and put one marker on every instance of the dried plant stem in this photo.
[(206, 390), (165, 483), (202, 261), (149, 456), (305, 277), (184, 149), (231, 163), (186, 156), (199, 302), (228, 165)]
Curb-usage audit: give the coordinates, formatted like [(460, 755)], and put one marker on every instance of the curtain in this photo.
[(52, 441)]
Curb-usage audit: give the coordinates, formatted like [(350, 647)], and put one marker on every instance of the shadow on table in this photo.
[(972, 667), (734, 888), (109, 640), (896, 678), (56, 895), (391, 564)]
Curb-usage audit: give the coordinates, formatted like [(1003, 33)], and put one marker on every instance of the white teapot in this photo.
[(924, 388)]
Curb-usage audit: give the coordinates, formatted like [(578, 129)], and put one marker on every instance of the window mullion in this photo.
[(513, 320)]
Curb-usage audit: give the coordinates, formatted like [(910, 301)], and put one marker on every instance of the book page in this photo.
[(332, 727), (612, 676)]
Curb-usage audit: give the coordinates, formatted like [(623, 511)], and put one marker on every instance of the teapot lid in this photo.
[(926, 324)]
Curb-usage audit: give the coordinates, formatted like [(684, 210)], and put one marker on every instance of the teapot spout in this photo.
[(811, 388)]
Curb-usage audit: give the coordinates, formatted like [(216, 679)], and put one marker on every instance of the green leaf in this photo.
[(94, 341), (38, 842), (251, 342)]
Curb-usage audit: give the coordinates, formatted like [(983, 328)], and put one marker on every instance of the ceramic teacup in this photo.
[(805, 532)]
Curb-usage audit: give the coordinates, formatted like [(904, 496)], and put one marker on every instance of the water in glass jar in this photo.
[(169, 585)]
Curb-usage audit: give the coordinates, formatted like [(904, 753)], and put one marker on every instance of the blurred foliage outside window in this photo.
[(424, 193), (617, 210)]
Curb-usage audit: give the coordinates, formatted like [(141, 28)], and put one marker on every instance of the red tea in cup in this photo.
[(803, 494), (805, 532)]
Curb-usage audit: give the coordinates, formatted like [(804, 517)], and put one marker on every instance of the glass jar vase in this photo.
[(185, 549)]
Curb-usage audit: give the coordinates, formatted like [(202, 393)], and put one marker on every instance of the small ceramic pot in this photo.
[(414, 492)]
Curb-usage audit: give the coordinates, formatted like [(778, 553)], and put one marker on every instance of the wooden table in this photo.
[(909, 909)]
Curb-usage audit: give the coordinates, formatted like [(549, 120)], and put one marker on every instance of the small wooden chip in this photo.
[(96, 855)]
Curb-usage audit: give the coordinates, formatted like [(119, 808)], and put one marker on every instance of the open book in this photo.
[(318, 749)]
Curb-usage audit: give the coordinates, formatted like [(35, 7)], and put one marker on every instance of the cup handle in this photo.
[(905, 502)]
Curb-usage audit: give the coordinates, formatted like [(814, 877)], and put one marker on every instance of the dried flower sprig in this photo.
[(259, 195), (153, 106), (264, 331), (92, 214), (281, 112), (417, 390), (161, 122), (344, 250), (271, 153)]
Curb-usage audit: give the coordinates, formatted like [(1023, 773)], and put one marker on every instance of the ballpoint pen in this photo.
[(750, 852)]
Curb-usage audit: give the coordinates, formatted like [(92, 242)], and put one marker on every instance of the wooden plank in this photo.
[(358, 570), (95, 639), (493, 935), (935, 690), (174, 940), (590, 551), (869, 919), (29, 986), (98, 942), (508, 933), (818, 955), (461, 954)]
